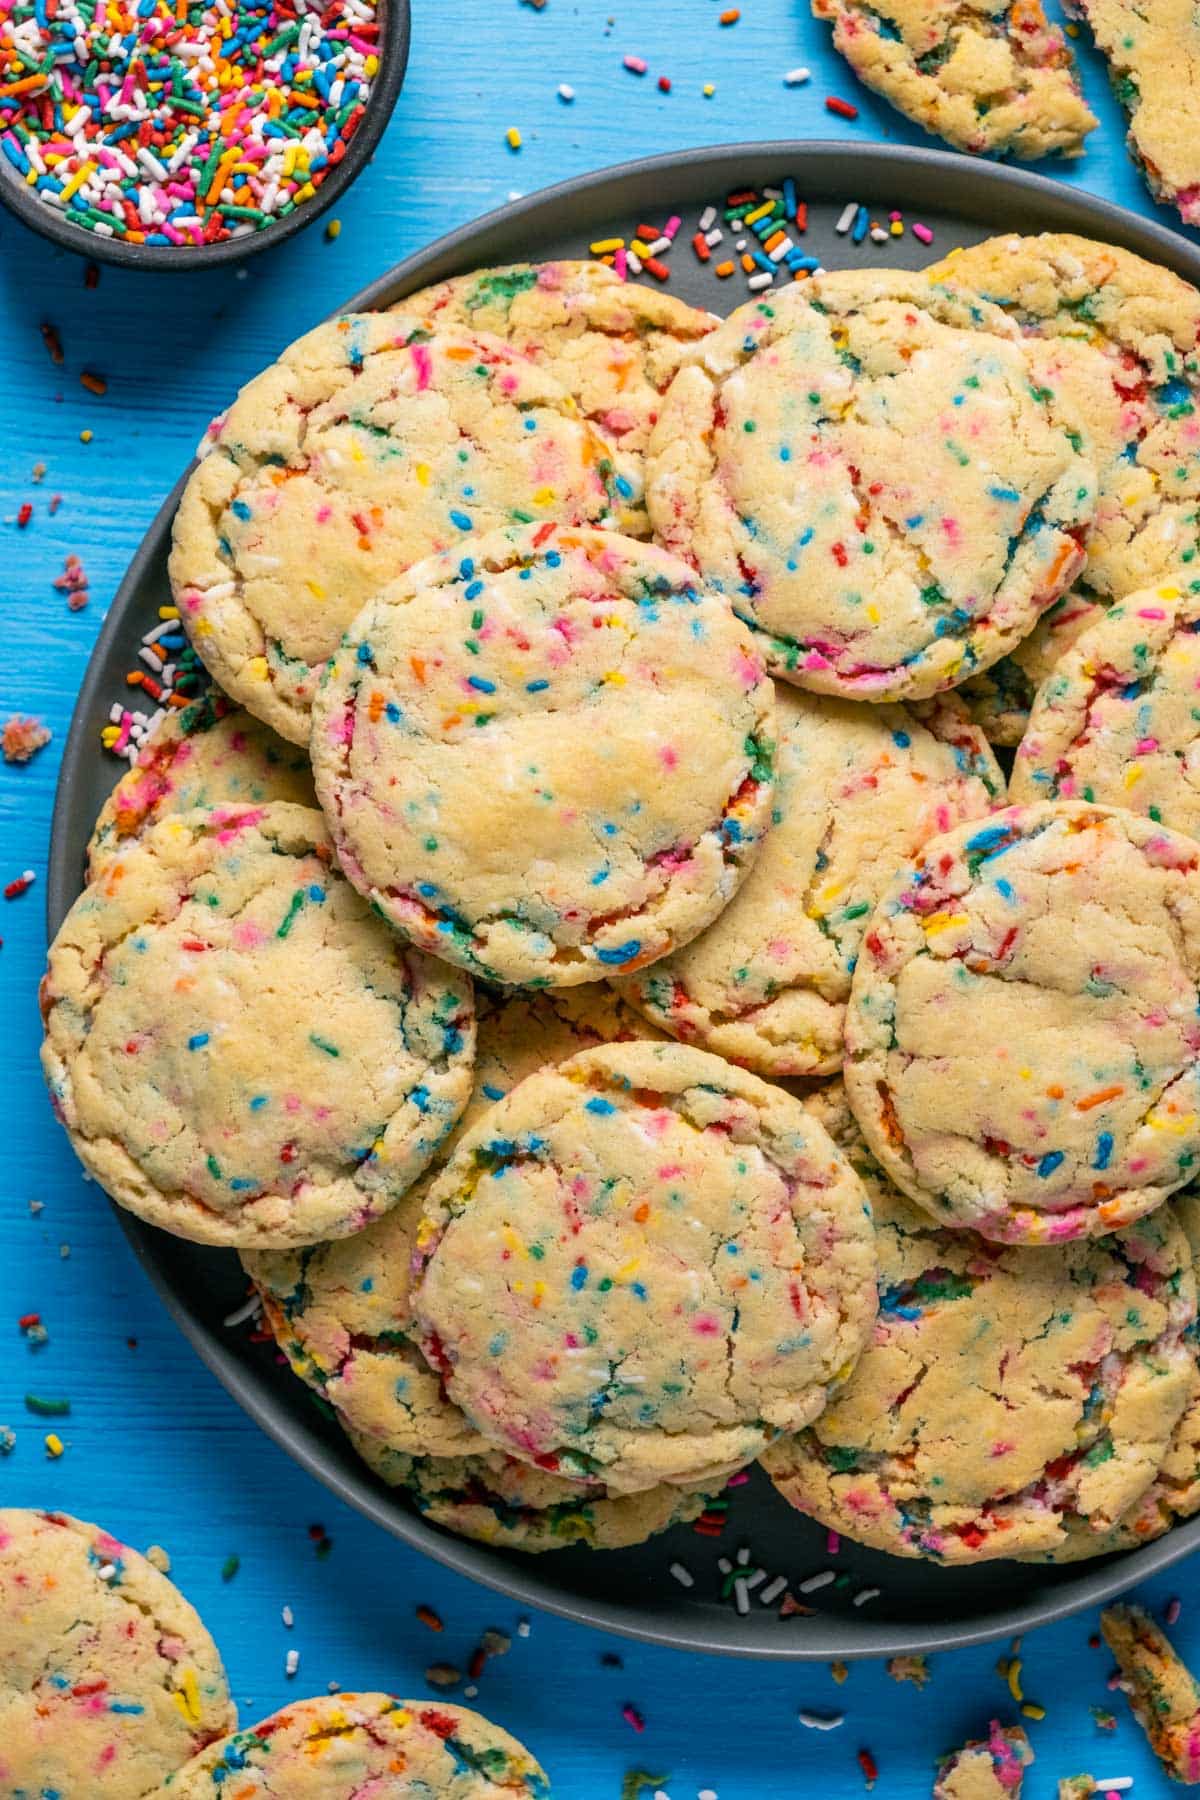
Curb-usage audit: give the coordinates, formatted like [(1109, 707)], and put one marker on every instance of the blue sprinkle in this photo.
[(536, 687), (553, 558), (1004, 493), (420, 1098), (461, 519), (240, 510), (240, 1183), (1104, 1150), (473, 590), (258, 1102), (364, 653), (393, 712), (493, 1093), (198, 1041), (598, 1104), (1005, 888), (637, 1288), (481, 684), (621, 953), (902, 739), (579, 1277), (1050, 1162), (316, 893)]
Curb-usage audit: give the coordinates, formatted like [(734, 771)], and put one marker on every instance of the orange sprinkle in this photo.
[(1098, 1098), (375, 707), (416, 664), (25, 86), (1054, 1092)]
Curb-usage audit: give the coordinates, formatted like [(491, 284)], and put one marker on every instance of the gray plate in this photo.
[(920, 1606)]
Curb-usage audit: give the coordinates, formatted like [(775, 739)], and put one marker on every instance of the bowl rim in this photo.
[(874, 171), (161, 259)]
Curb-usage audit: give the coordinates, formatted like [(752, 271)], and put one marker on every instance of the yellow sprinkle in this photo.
[(371, 67), (202, 628), (426, 1232), (897, 228), (640, 249), (760, 212), (545, 496), (54, 1444), (77, 180), (187, 1698), (514, 1243), (512, 138), (333, 229), (1032, 1710), (1177, 1127), (306, 192), (943, 922), (85, 437), (422, 474), (109, 735), (1012, 1674), (873, 614), (614, 678), (1025, 1074), (708, 90), (168, 612), (603, 246), (539, 1292), (1168, 593), (630, 1269), (1133, 775), (257, 669), (315, 589)]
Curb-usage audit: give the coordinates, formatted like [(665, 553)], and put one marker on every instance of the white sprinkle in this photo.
[(821, 1721), (878, 235), (740, 1597), (1116, 1784), (106, 1571), (781, 249), (291, 1663), (771, 1593), (755, 1580), (470, 1691), (739, 243), (757, 282), (659, 245), (566, 92), (725, 1566), (523, 1628), (240, 1314), (707, 1794), (848, 215), (743, 1556), (683, 1576), (28, 877), (817, 1581), (770, 193), (861, 1598), (288, 1617), (797, 77), (708, 218), (714, 237)]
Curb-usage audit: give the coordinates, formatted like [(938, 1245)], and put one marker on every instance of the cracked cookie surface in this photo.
[(239, 1051), (210, 753), (108, 1679), (857, 790), (642, 1265), (549, 759), (1010, 1395), (1118, 721), (990, 76), (342, 1312), (781, 466), (349, 1746), (370, 444), (613, 345), (1023, 1050), (1153, 56), (1112, 341)]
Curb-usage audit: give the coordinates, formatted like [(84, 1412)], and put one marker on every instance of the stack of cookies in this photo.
[(582, 954)]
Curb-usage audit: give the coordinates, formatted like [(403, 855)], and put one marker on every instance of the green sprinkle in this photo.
[(289, 917), (230, 1567), (47, 1409), (323, 1044)]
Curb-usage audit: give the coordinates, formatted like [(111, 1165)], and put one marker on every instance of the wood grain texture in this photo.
[(155, 1450)]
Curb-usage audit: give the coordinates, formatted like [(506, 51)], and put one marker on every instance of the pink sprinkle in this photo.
[(672, 225), (833, 1543), (637, 65), (423, 364), (1145, 746), (738, 1480), (922, 233), (1151, 612), (633, 1717), (1174, 1608), (706, 1325), (621, 263), (668, 756)]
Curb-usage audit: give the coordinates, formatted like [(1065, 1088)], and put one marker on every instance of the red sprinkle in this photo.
[(842, 108), (28, 1319), (633, 1717), (428, 1617), (700, 247), (53, 343), (658, 269), (664, 84), (25, 514), (802, 215), (18, 887), (869, 1767)]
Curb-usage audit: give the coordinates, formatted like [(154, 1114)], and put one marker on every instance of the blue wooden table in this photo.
[(154, 1449)]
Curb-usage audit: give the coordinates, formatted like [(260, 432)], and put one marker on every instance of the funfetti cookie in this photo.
[(642, 1265), (108, 1680), (371, 443), (613, 345), (1112, 341), (1011, 1399), (1174, 1494), (1023, 1036), (210, 753), (1153, 55), (861, 464), (1162, 1691), (497, 1500), (858, 790), (351, 1746), (991, 1768), (341, 1312), (239, 1051), (549, 758), (1118, 722), (989, 78)]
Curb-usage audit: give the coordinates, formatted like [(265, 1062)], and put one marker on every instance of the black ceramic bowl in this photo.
[(395, 18)]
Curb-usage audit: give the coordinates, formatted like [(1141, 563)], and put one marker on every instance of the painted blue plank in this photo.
[(155, 1450)]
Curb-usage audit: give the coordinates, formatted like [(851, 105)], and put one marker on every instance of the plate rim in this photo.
[(855, 166)]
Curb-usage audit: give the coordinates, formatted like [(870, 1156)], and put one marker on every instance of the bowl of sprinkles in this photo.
[(176, 134)]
